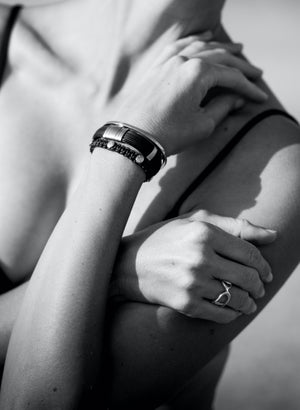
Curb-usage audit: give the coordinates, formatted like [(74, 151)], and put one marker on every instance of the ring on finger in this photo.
[(224, 297)]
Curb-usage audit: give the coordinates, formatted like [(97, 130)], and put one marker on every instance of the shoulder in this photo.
[(262, 172)]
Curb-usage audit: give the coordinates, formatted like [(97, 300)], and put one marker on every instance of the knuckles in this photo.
[(200, 232), (194, 67), (185, 304), (199, 215), (178, 60), (172, 49), (188, 298), (195, 47), (221, 51)]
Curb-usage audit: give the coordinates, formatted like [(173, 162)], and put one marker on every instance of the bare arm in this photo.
[(54, 354), (10, 303), (78, 247), (30, 248), (259, 181)]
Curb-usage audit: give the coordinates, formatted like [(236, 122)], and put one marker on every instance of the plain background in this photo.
[(263, 371)]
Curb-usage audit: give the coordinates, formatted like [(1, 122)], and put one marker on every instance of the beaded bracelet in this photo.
[(132, 143), (119, 148)]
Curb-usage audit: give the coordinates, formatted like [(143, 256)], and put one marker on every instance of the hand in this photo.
[(167, 102), (180, 263)]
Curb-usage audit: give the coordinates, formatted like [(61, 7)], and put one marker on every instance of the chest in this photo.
[(62, 87)]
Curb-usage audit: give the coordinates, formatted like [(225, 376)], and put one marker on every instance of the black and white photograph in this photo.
[(149, 205)]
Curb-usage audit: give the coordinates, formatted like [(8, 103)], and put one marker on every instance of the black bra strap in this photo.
[(6, 38), (223, 154)]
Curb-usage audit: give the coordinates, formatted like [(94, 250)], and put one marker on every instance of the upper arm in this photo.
[(260, 181)]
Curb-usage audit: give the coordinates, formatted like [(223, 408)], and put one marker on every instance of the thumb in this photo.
[(254, 233), (238, 227)]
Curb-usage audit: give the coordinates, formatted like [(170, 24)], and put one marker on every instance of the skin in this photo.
[(218, 194)]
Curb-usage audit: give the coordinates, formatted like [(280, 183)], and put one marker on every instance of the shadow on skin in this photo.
[(156, 349), (250, 177), (180, 345)]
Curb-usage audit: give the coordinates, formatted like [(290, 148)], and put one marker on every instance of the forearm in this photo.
[(54, 352), (10, 303)]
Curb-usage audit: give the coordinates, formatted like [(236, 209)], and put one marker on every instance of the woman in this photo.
[(66, 87)]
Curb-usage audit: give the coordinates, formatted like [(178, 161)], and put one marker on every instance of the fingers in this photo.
[(225, 69), (196, 44), (206, 310), (256, 234), (202, 49), (242, 276), (225, 58), (180, 45), (242, 252), (194, 303), (237, 227), (219, 108), (212, 52), (202, 306), (240, 299), (231, 78)]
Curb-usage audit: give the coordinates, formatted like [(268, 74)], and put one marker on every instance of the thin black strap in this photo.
[(5, 283), (223, 154), (6, 38)]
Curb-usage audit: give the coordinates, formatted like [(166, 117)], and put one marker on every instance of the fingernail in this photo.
[(270, 277), (253, 308), (239, 103), (271, 231), (260, 294)]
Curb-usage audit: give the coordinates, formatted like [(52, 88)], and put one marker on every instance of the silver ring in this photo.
[(224, 297)]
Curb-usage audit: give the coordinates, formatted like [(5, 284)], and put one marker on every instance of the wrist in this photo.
[(135, 144), (119, 176)]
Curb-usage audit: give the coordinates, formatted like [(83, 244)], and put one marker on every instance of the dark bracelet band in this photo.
[(150, 156), (119, 148), (145, 136)]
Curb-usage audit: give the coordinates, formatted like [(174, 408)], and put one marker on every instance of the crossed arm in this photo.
[(269, 159), (172, 347), (171, 334), (259, 181)]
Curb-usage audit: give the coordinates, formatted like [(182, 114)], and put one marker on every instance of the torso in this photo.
[(64, 82)]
